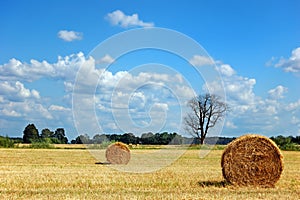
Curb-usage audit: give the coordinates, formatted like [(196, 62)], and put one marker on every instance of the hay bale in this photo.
[(252, 160), (118, 153)]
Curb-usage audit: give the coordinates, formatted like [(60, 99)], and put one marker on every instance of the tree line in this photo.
[(129, 138), (32, 135), (287, 143), (148, 139)]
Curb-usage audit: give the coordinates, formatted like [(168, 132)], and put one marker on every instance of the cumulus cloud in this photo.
[(107, 59), (130, 97), (230, 124), (69, 36), (58, 108), (250, 112), (146, 94), (293, 106), (28, 109), (199, 60), (226, 70), (17, 100), (65, 68), (16, 91), (137, 101), (278, 92), (10, 113), (161, 106), (16, 70), (292, 64), (134, 99), (140, 94), (118, 18), (239, 89)]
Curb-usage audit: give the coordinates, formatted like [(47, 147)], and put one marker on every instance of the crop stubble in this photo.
[(72, 174)]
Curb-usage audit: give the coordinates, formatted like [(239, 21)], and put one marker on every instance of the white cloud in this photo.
[(58, 108), (293, 106), (69, 36), (295, 120), (68, 86), (95, 76), (226, 70), (198, 60), (10, 113), (132, 98), (161, 106), (291, 64), (107, 59), (137, 101), (271, 110), (16, 91), (65, 68), (239, 89), (16, 70), (118, 18), (28, 109), (35, 94), (16, 100), (230, 124), (111, 126), (251, 113), (278, 92), (151, 100)]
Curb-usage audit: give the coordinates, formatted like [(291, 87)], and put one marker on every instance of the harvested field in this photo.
[(73, 174)]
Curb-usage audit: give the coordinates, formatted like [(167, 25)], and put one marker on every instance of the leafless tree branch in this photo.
[(206, 111)]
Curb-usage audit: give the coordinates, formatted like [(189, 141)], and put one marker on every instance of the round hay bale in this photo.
[(118, 153), (252, 160)]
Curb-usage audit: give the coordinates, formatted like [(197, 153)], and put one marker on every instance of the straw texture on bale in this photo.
[(252, 160), (117, 153)]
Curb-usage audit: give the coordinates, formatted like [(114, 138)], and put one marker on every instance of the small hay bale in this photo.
[(118, 153), (252, 160)]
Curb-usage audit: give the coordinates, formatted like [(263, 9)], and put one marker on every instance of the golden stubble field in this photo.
[(73, 174)]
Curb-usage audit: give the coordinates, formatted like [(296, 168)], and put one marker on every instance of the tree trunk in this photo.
[(201, 140)]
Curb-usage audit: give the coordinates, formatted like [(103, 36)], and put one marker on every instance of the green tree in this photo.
[(115, 137), (30, 133), (6, 142), (46, 133), (296, 139), (281, 140), (98, 139), (164, 138), (176, 139), (82, 139), (148, 138), (128, 138), (60, 136)]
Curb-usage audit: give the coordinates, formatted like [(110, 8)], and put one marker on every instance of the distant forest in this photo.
[(148, 139), (32, 135)]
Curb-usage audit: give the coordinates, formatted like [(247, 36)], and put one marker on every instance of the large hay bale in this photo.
[(118, 153), (252, 160)]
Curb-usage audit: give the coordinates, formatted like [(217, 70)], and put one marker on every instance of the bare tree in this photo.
[(206, 111)]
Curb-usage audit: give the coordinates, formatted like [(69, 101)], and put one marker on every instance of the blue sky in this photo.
[(43, 44)]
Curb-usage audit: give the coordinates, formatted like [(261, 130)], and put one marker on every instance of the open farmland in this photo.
[(73, 174)]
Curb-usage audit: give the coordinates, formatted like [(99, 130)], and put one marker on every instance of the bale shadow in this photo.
[(102, 163), (219, 184)]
